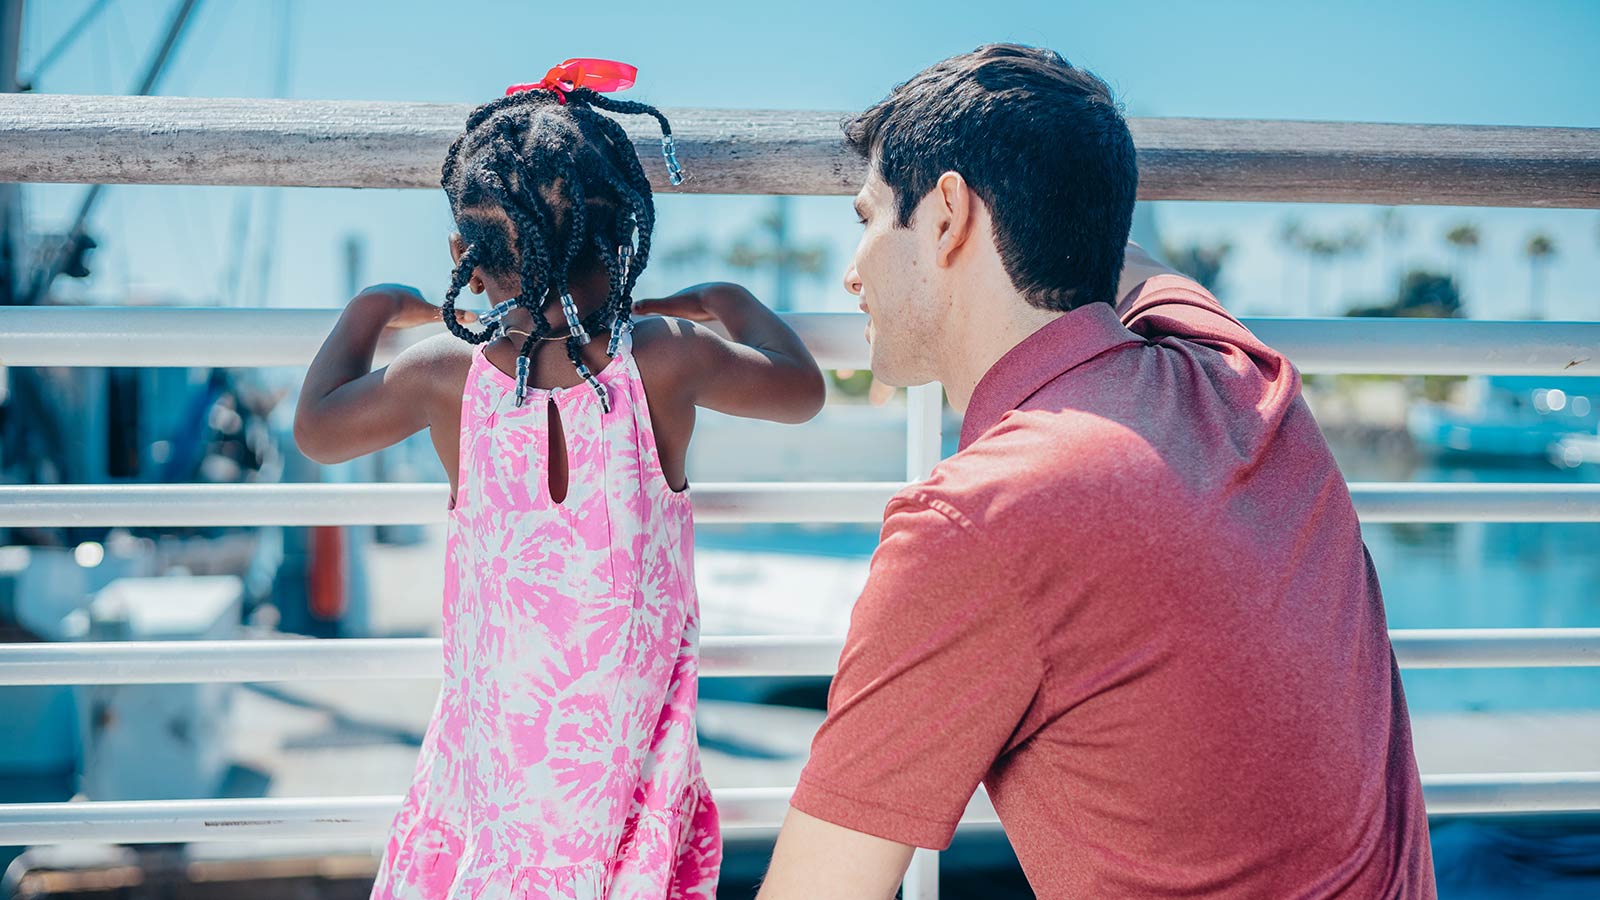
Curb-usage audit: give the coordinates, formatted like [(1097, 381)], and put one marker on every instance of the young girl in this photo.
[(561, 760)]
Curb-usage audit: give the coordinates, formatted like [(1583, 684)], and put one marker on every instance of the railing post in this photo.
[(922, 878), (924, 448), (924, 430)]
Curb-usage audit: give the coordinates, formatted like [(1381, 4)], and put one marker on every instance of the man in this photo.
[(1135, 604)]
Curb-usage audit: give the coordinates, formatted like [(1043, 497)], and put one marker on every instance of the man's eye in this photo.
[(862, 220)]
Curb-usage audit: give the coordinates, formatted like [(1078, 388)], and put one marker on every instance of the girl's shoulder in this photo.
[(437, 367), (439, 355), (671, 354), (670, 346)]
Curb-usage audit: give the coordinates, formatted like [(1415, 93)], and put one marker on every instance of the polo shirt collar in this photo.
[(1063, 344)]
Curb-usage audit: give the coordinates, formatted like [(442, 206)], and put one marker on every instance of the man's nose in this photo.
[(852, 281)]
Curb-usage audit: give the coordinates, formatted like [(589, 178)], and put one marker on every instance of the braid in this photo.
[(576, 222), (535, 268), (478, 117), (616, 294), (447, 173), (458, 280), (626, 163), (530, 232), (634, 108), (588, 376), (621, 107), (633, 187)]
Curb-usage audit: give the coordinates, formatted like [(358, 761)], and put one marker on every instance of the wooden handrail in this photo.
[(342, 143)]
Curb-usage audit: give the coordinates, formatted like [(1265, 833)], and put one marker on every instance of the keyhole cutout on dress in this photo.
[(557, 469)]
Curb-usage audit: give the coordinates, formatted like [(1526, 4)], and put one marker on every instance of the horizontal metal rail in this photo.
[(1495, 648), (1433, 346), (180, 662), (167, 337), (333, 143), (245, 505), (1391, 502), (242, 338), (183, 505), (740, 809)]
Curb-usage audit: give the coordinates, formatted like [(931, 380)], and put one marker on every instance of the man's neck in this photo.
[(988, 332)]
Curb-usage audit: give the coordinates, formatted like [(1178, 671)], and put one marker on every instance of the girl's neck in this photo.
[(522, 320), (589, 292)]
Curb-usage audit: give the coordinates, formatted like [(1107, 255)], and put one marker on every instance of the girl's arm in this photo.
[(346, 409), (761, 371)]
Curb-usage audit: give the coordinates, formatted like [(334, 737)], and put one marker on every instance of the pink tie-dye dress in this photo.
[(562, 759)]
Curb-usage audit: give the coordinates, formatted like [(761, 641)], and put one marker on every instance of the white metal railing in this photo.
[(171, 505), (217, 505), (743, 656), (360, 144), (924, 441), (238, 338), (740, 809), (173, 662)]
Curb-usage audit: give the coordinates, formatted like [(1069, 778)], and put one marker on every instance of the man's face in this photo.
[(892, 272)]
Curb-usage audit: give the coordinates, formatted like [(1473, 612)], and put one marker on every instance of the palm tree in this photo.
[(1352, 243), (769, 246), (1392, 231), (1540, 248), (693, 252), (1319, 250), (1292, 236), (1464, 240), (1325, 250), (778, 253), (1201, 261)]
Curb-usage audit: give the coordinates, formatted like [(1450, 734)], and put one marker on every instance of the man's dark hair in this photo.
[(1041, 142)]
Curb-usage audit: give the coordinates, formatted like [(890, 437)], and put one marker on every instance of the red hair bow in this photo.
[(604, 75)]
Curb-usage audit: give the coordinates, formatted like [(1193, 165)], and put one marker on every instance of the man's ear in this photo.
[(954, 208)]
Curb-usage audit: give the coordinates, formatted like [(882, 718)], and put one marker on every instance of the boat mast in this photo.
[(10, 194)]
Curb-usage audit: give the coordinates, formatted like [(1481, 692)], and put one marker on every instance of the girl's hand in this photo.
[(405, 307), (700, 303)]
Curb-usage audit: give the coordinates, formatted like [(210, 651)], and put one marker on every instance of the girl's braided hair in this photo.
[(544, 186)]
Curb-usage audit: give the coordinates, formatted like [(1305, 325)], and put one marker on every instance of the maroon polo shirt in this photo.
[(1136, 605)]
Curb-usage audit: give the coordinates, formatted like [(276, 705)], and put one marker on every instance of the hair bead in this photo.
[(669, 149), (574, 324), (494, 319), (522, 380)]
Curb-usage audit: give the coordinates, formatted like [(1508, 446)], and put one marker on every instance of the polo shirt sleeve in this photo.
[(939, 668)]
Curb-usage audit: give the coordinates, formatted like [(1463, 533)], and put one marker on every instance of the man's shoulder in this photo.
[(1176, 306), (1169, 289), (1034, 467)]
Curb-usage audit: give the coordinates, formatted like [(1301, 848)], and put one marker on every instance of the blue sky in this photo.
[(1463, 62)]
